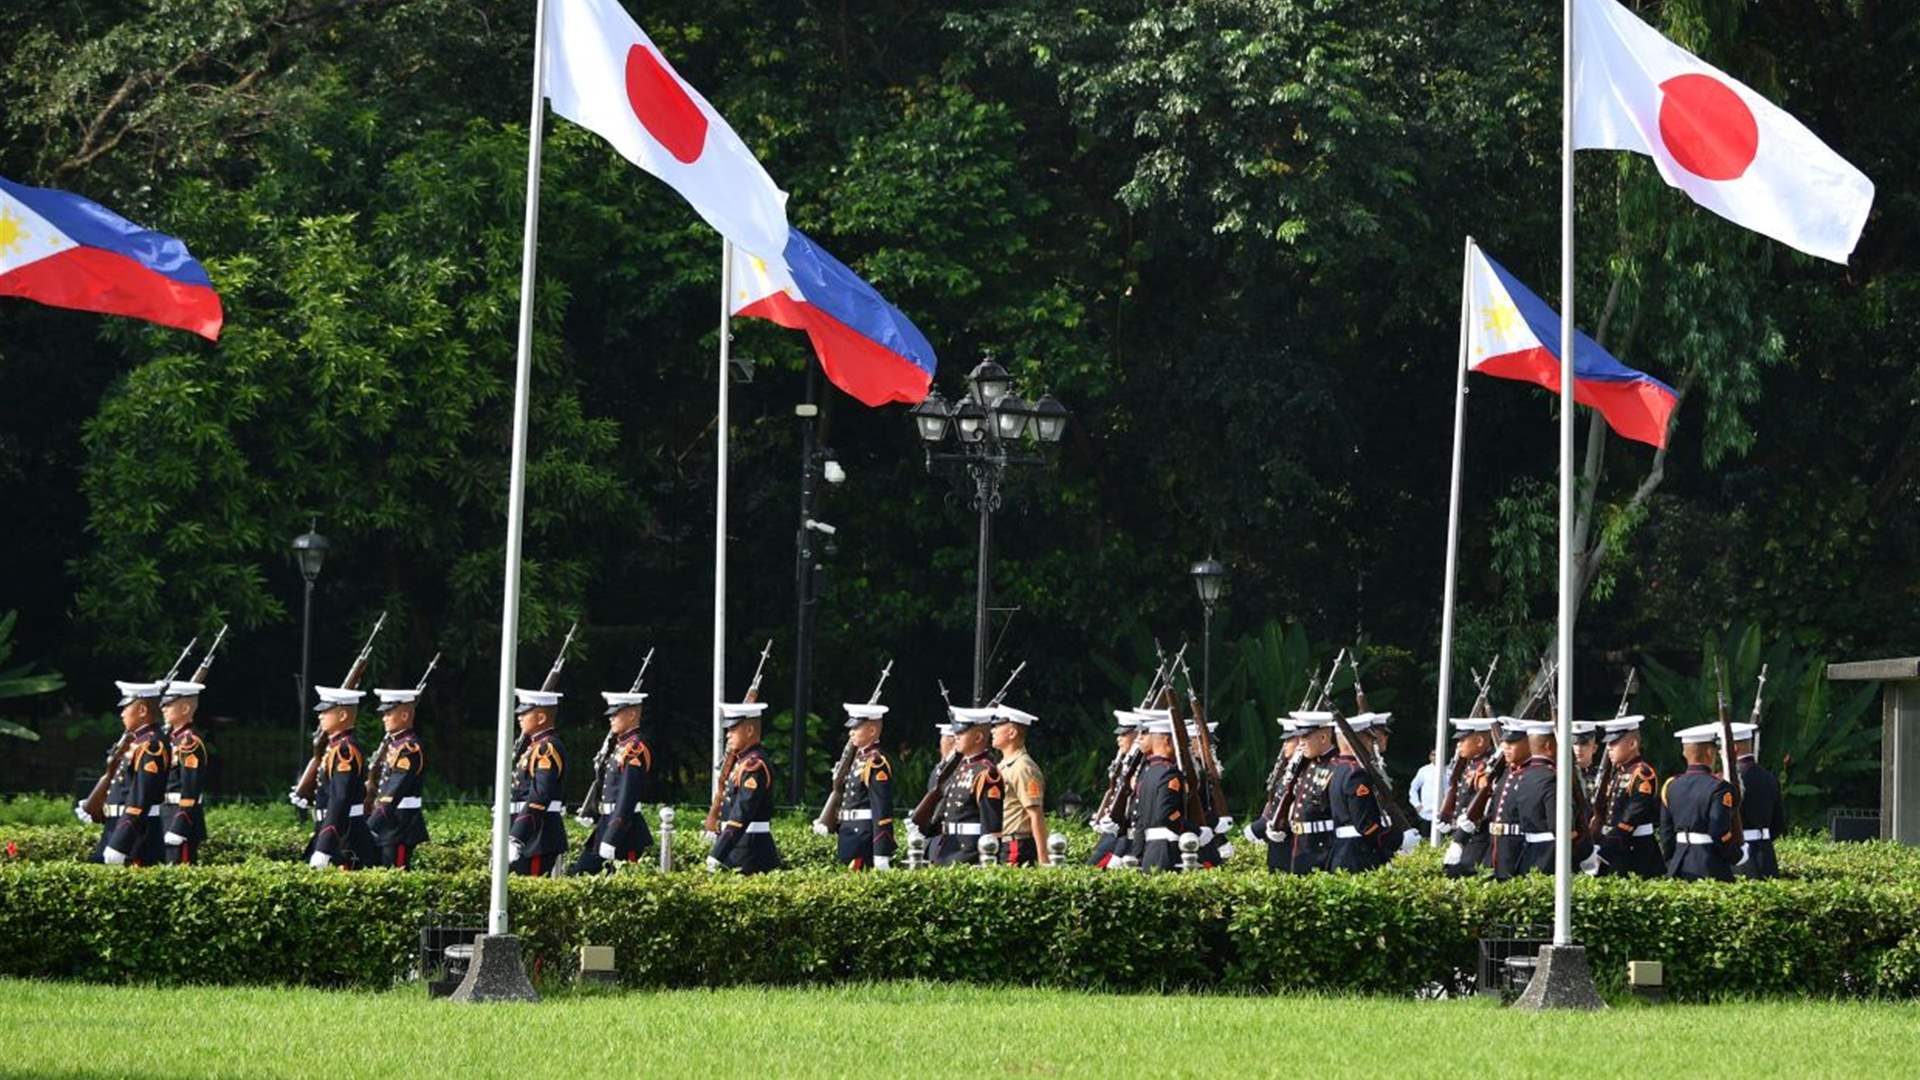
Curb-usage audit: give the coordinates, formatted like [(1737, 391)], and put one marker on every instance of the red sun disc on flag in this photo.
[(663, 107), (1707, 129)]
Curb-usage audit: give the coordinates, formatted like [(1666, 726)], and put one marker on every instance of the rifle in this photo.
[(727, 761), (303, 788), (95, 804), (1125, 765), (929, 803), (206, 662), (589, 809), (1283, 806), (1496, 770), (1280, 759), (1729, 768), (830, 813), (1215, 794), (377, 764), (1603, 786), (1450, 805), (1397, 815), (1183, 760), (552, 680), (1359, 692)]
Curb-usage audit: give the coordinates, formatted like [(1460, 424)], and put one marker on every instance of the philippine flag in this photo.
[(604, 73), (867, 347), (1731, 150), (1513, 334), (70, 252)]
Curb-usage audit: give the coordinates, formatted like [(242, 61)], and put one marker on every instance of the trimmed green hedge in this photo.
[(1401, 931)]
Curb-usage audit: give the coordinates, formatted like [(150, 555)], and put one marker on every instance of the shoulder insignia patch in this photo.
[(1726, 798), (402, 762), (1033, 789), (1363, 789), (190, 761), (1173, 783), (750, 783), (877, 775), (151, 766)]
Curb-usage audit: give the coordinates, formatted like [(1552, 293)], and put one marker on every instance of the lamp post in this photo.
[(1209, 580), (990, 427), (812, 538), (310, 549)]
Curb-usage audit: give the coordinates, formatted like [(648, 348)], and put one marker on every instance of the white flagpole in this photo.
[(1563, 808), (720, 505), (517, 483), (1453, 561)]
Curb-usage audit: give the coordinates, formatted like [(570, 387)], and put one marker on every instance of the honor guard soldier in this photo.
[(865, 836), (1627, 844), (1024, 826), (1159, 796), (396, 822), (1507, 839), (1361, 840), (1696, 812), (1111, 843), (1762, 811), (539, 834), (619, 830), (972, 804), (1536, 795), (745, 839), (1586, 754), (1467, 851), (132, 833), (185, 813), (1310, 819), (1279, 852), (945, 730), (341, 798)]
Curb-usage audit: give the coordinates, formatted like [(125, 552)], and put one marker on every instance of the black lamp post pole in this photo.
[(306, 671), (803, 591), (1206, 658)]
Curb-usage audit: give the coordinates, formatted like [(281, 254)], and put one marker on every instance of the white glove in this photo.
[(1107, 827), (1408, 841), (714, 865), (319, 860), (1226, 852), (1247, 831), (114, 858), (709, 835), (294, 798), (883, 862), (174, 839), (1455, 853), (1745, 854), (1223, 826), (1206, 836), (820, 829), (1465, 825), (583, 821), (1591, 864), (80, 811), (607, 852), (514, 848)]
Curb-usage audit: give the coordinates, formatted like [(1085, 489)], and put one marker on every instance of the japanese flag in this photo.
[(1731, 150), (605, 74)]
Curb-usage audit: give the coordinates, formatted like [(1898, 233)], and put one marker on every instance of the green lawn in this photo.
[(907, 1029)]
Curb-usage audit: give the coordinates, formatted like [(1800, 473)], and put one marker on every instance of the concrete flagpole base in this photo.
[(497, 973), (1561, 981)]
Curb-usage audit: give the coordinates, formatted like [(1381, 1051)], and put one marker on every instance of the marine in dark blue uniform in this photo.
[(619, 831), (1507, 837), (1108, 847), (865, 834), (340, 838), (538, 837), (1628, 845), (185, 812), (1309, 830), (398, 822), (744, 841), (1279, 850), (1160, 797), (1467, 849), (131, 832), (1362, 839), (973, 802), (1763, 813), (1536, 797), (933, 782), (1697, 826)]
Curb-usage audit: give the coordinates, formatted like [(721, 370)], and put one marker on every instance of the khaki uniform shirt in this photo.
[(1026, 788)]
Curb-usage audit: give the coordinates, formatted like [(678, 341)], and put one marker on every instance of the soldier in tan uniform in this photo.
[(1023, 831)]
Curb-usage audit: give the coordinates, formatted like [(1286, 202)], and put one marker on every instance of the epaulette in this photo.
[(1665, 786)]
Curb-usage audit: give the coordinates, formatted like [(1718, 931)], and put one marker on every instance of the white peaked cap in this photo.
[(964, 717), (536, 699), (1534, 727), (621, 699), (1363, 721), (1585, 727), (742, 710), (1308, 718), (390, 698), (1007, 714), (181, 689), (1698, 733), (334, 697), (135, 691), (863, 711), (1467, 725), (1126, 717)]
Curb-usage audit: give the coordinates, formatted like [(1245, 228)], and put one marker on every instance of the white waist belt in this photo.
[(1692, 838), (1757, 834), (608, 807), (356, 809), (1347, 832), (1502, 828), (410, 802), (1539, 838), (116, 809), (174, 797), (1168, 835), (1320, 826), (856, 815), (519, 806), (759, 827), (961, 828)]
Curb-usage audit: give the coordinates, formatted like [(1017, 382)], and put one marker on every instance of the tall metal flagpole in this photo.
[(720, 504), (1453, 558), (1563, 735), (517, 483)]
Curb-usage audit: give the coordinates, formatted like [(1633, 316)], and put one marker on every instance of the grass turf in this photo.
[(911, 1029)]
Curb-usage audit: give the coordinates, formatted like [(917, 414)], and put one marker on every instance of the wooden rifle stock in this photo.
[(929, 803), (830, 813), (1731, 770), (1195, 813), (1397, 814), (732, 757)]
